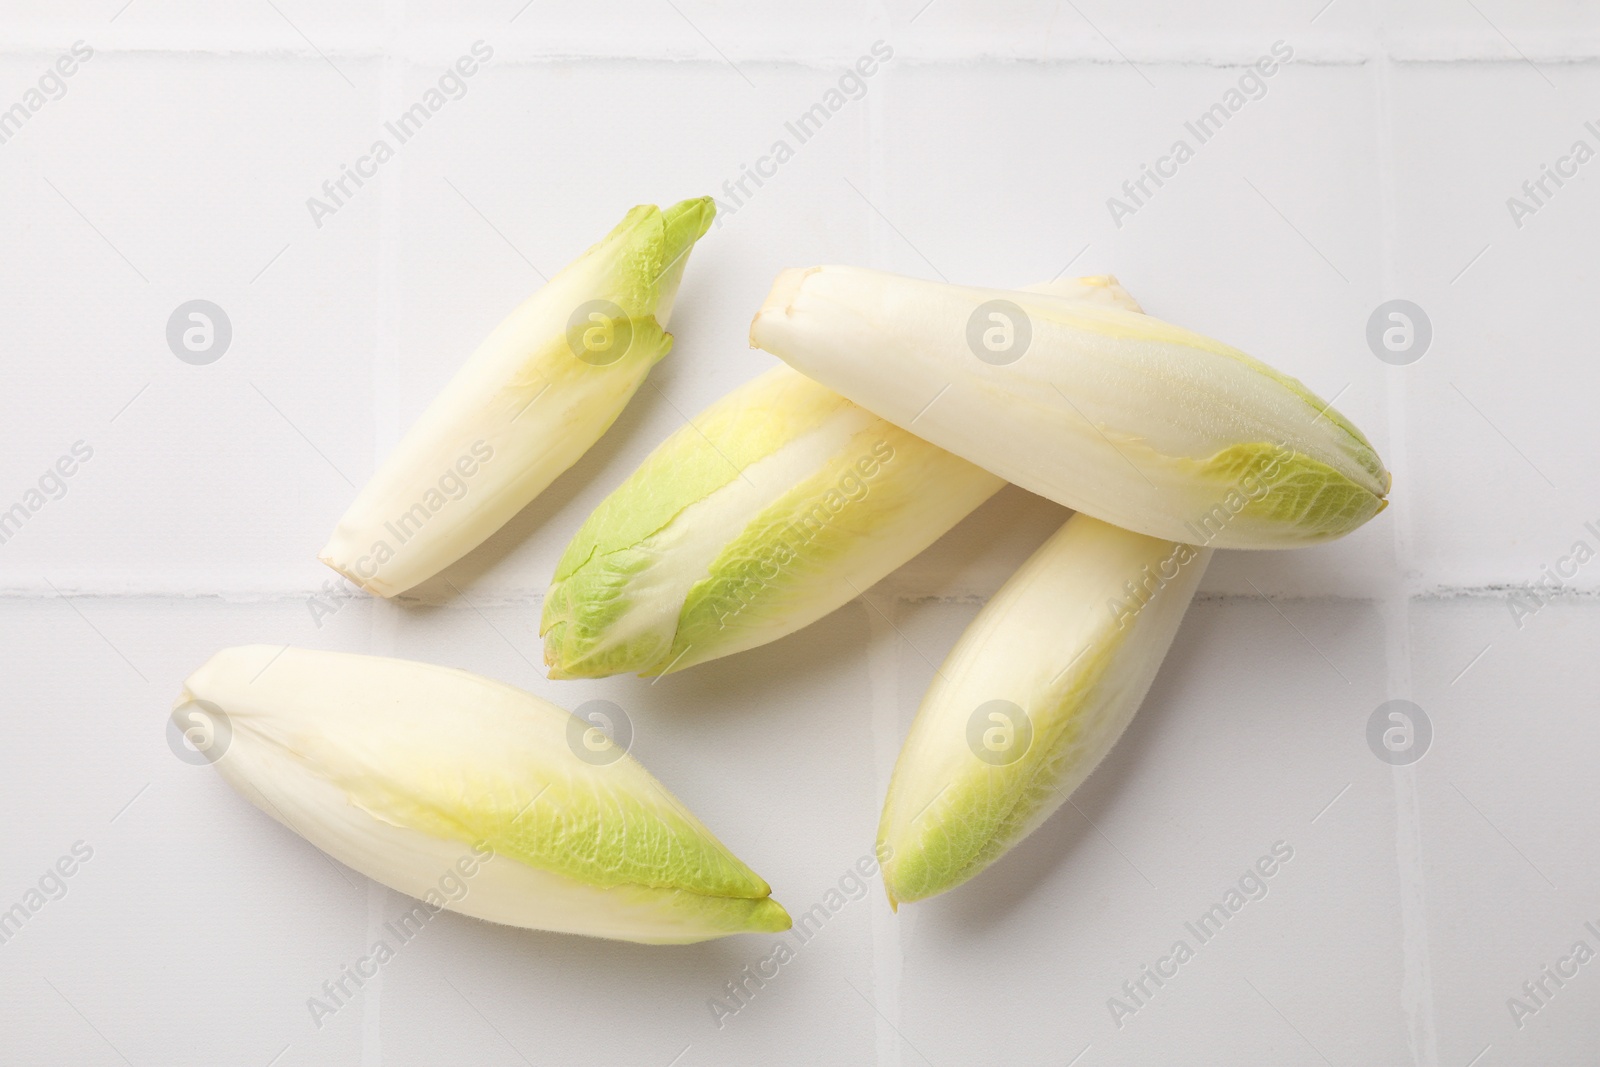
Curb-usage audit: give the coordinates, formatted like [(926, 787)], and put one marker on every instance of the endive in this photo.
[(404, 770), (776, 505), (1130, 419), (1033, 695), (525, 406)]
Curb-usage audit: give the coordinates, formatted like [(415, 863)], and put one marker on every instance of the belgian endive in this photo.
[(776, 505), (1031, 698), (1130, 419), (524, 407), (421, 776)]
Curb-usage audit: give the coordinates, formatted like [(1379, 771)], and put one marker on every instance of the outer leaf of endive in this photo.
[(1073, 640), (400, 769), (524, 407), (776, 505), (1119, 415)]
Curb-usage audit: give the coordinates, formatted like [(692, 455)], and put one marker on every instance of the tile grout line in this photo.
[(372, 991), (888, 953), (385, 423), (421, 42), (1416, 989)]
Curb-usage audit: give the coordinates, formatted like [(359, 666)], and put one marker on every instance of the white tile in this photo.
[(1546, 29), (175, 17), (1507, 825), (1133, 33), (225, 475), (1247, 736), (227, 920), (1495, 408), (714, 30)]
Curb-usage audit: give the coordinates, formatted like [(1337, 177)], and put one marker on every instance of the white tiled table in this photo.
[(1376, 165)]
